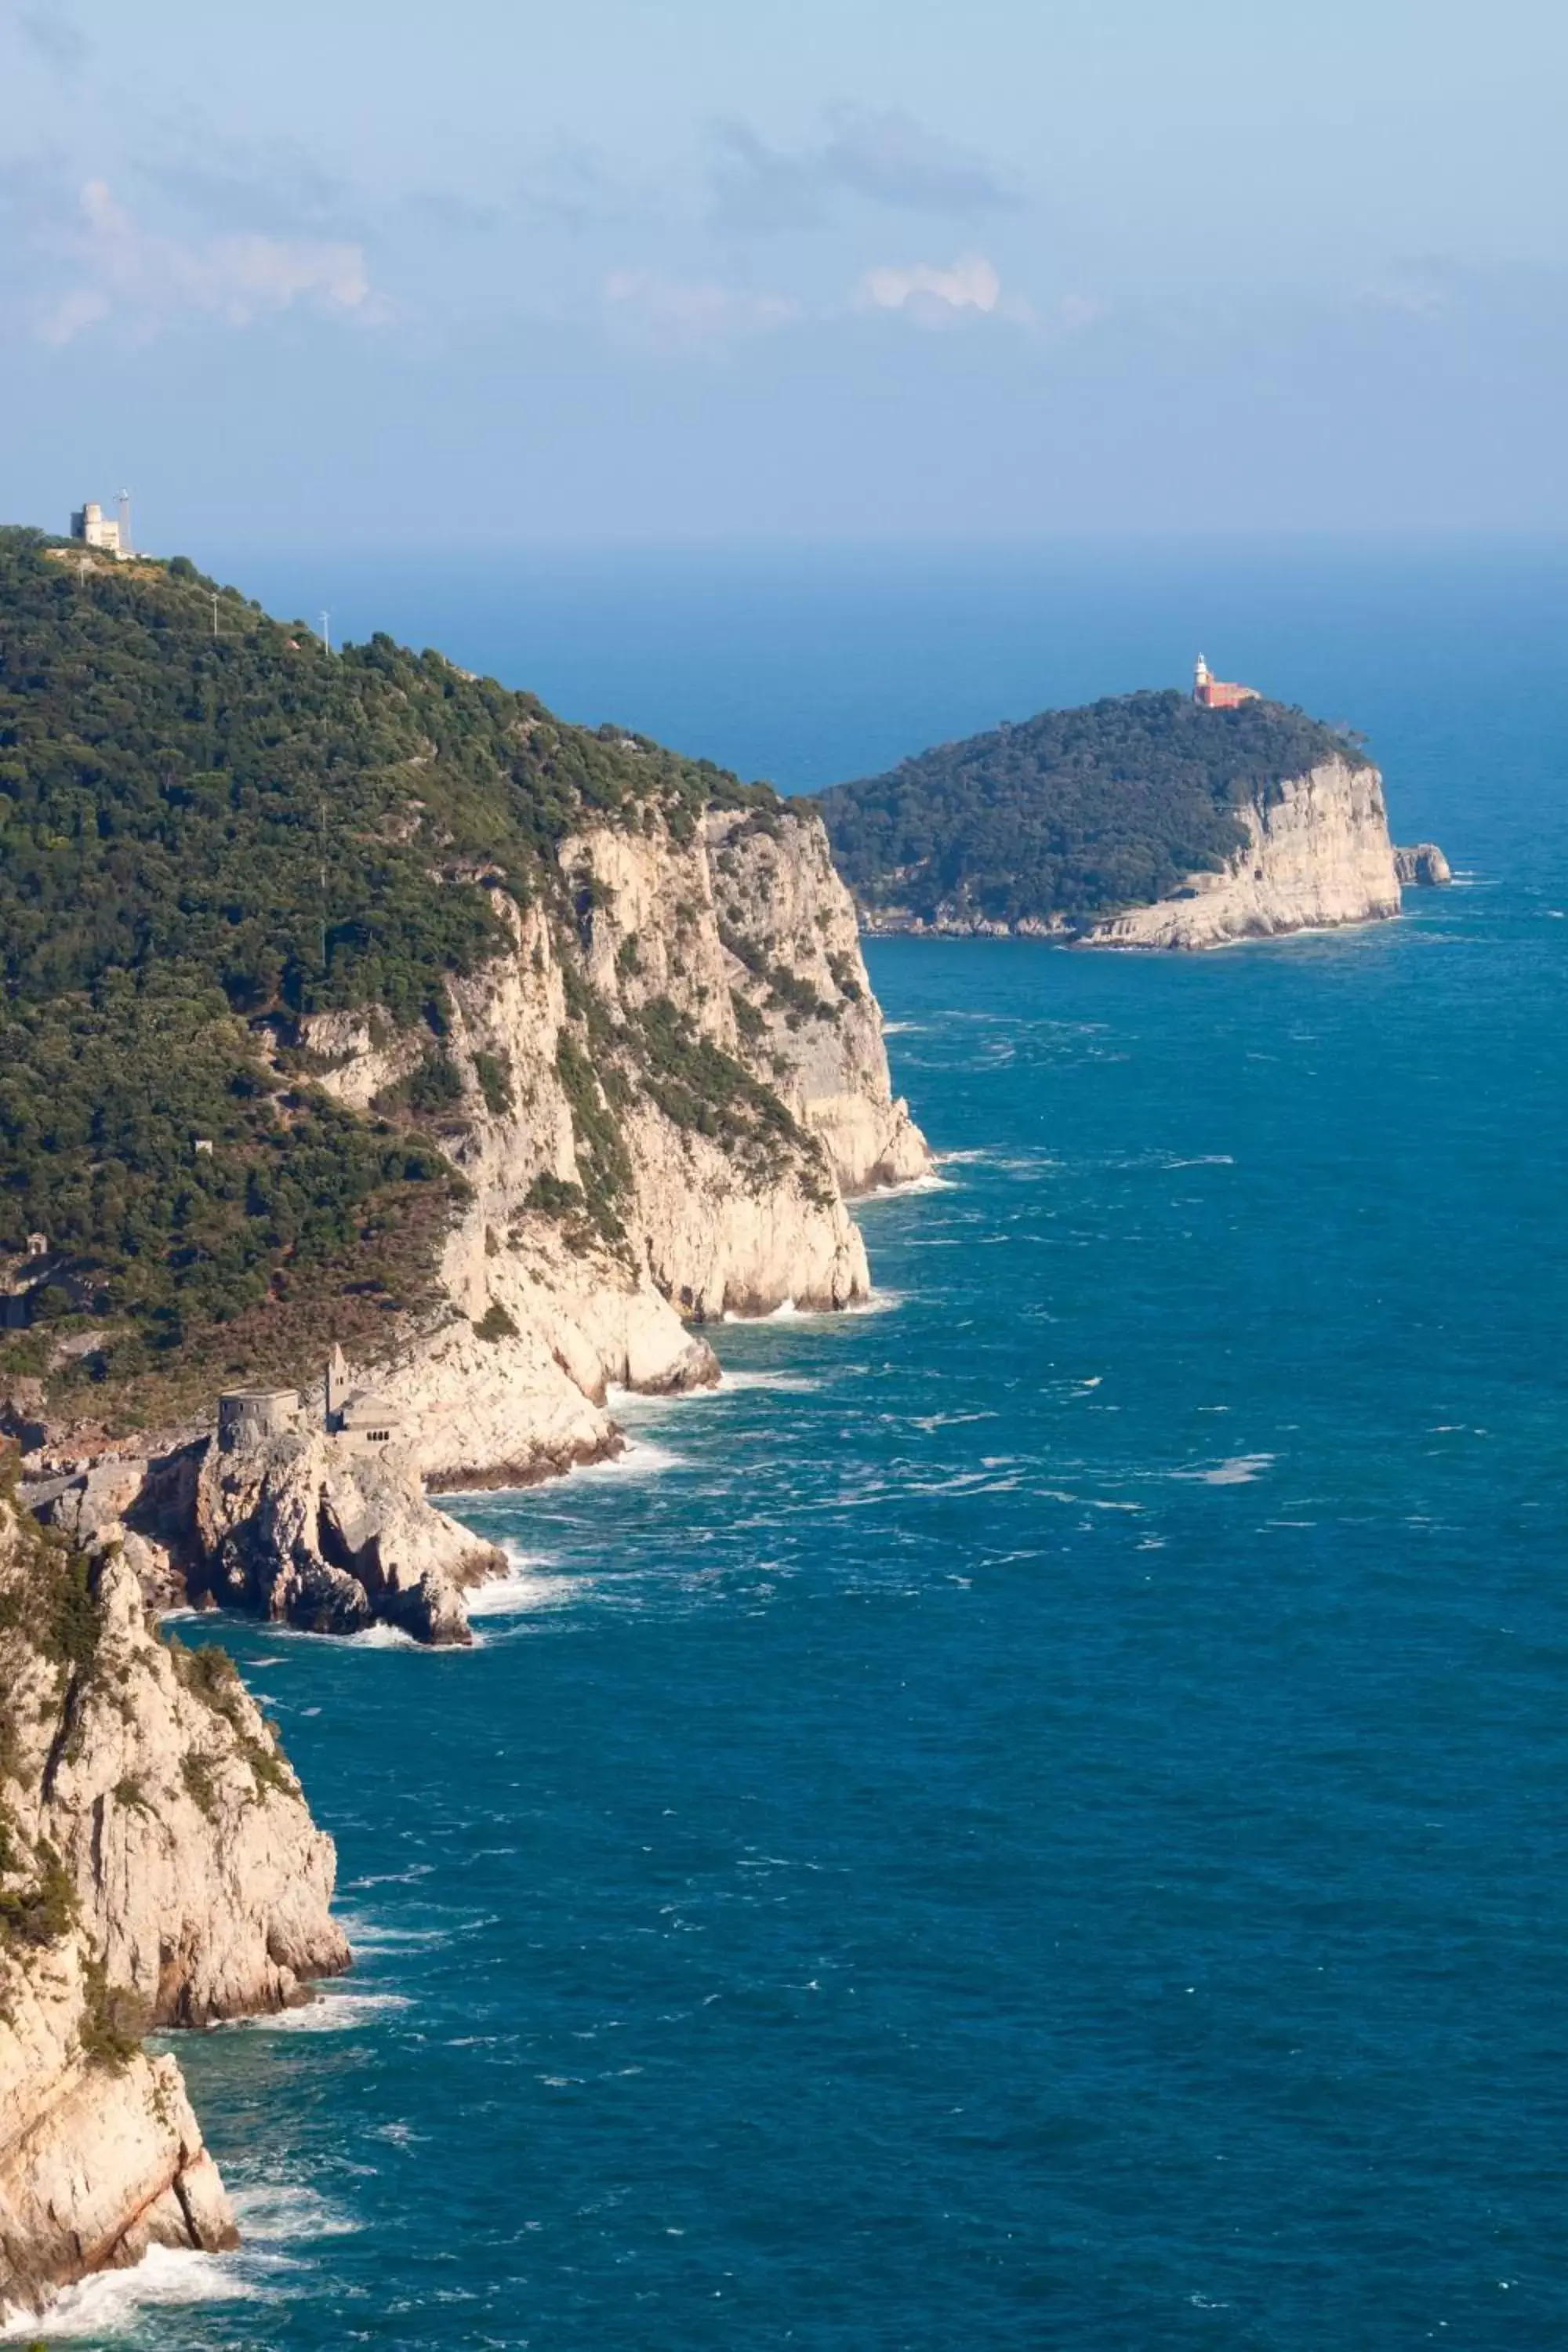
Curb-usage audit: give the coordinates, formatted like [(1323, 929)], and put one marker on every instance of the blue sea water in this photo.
[(1037, 1814)]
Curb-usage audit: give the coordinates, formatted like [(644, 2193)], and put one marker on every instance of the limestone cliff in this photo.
[(296, 1529), (157, 1867), (665, 1099), (1317, 855), (660, 1093)]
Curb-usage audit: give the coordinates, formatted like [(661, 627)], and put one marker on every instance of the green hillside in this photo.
[(1071, 814), (209, 825)]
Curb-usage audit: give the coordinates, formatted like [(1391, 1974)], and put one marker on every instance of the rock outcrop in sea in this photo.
[(1422, 865), (158, 1867), (294, 1528)]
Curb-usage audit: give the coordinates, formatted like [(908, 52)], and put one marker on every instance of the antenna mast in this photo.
[(327, 631), (124, 502)]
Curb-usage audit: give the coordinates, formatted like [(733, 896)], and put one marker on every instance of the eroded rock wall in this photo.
[(100, 2157), (158, 1866), (1317, 857), (302, 1530), (623, 1187)]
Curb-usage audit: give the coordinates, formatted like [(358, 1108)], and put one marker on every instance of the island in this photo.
[(1151, 820)]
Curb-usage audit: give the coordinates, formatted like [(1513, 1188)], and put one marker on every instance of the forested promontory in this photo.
[(212, 829), (1067, 817), (350, 998)]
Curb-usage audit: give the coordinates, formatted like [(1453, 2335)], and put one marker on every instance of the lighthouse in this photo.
[(1211, 693)]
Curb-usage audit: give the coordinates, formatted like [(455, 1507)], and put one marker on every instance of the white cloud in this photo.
[(140, 279), (1076, 313), (886, 158), (686, 311), (1418, 290), (936, 297)]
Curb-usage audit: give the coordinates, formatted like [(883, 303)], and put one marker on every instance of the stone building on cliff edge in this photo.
[(361, 1421), (1218, 693)]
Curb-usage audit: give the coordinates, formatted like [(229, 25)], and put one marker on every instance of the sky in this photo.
[(671, 271)]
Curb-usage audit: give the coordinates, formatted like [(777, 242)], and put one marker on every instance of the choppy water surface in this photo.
[(1037, 1814)]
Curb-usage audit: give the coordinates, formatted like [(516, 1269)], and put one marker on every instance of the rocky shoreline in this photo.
[(160, 1868), (1317, 857), (159, 1865)]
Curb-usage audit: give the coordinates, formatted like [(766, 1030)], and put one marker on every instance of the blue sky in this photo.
[(673, 270)]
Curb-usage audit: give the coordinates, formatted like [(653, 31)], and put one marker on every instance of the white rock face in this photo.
[(1422, 865), (743, 931), (302, 1530), (98, 2161), (781, 892), (1317, 858), (160, 1868)]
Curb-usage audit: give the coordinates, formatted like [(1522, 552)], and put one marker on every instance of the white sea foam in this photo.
[(329, 2012), (369, 1637), (372, 1935), (1240, 1470), (966, 1482), (280, 2213), (881, 1302), (111, 2302), (1083, 1501), (630, 1405), (930, 1181), (523, 1588), (391, 1877), (638, 1459)]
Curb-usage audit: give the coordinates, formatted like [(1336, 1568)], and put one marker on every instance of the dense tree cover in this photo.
[(1073, 814), (209, 825), (177, 769)]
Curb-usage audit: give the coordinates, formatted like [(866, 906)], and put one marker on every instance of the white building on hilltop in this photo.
[(95, 529)]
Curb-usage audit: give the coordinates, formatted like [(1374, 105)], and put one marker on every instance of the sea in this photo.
[(1037, 1814)]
